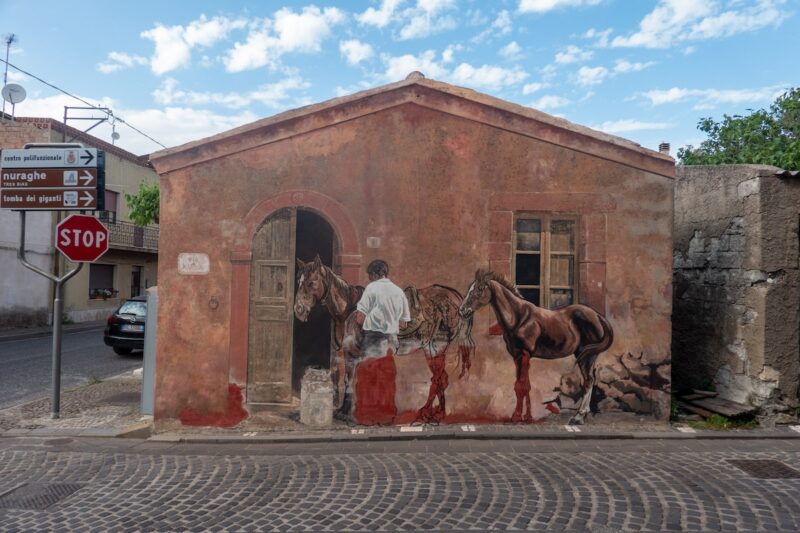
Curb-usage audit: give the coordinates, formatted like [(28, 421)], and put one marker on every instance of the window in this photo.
[(101, 282), (545, 259)]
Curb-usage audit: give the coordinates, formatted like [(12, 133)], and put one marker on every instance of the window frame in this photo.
[(545, 253)]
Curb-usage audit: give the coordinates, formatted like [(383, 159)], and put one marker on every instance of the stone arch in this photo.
[(347, 261)]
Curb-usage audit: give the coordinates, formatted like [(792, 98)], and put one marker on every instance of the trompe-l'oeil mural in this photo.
[(373, 325)]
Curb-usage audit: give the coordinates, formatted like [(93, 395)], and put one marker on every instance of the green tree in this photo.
[(766, 136), (144, 204)]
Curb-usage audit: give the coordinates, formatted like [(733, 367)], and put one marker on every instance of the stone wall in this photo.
[(736, 298)]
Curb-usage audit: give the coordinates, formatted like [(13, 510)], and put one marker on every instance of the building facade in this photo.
[(438, 181), (129, 267), (736, 297)]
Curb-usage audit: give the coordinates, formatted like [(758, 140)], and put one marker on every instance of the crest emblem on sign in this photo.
[(72, 157)]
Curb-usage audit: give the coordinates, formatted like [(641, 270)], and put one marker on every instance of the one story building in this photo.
[(438, 181)]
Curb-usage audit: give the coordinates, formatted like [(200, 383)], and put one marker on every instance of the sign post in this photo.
[(57, 178)]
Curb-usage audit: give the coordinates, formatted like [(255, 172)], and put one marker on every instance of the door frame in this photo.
[(347, 261)]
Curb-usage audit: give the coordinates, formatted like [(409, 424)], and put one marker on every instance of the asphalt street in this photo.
[(64, 484), (25, 364)]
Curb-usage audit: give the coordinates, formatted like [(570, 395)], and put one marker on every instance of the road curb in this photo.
[(456, 435)]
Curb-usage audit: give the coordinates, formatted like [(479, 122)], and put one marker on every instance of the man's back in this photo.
[(384, 305)]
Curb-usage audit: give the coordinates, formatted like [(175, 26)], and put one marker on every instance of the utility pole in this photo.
[(11, 39)]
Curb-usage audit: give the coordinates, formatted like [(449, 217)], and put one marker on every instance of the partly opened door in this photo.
[(269, 375)]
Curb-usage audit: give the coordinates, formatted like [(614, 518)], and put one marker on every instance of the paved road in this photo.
[(26, 365), (602, 485)]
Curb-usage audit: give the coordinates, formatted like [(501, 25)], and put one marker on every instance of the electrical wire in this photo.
[(117, 117)]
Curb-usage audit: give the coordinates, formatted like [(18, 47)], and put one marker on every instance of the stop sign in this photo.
[(81, 238)]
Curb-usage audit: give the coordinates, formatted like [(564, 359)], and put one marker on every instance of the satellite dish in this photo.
[(115, 135), (14, 93)]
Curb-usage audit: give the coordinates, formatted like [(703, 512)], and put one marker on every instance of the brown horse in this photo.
[(317, 283), (435, 323), (531, 331)]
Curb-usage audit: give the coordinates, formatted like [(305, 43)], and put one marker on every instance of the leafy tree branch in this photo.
[(144, 204)]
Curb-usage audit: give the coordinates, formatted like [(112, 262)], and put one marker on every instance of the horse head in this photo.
[(478, 294), (310, 287)]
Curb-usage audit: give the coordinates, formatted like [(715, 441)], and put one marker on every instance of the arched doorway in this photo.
[(279, 346)]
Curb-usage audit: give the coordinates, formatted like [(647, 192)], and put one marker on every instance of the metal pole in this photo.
[(58, 305), (58, 310)]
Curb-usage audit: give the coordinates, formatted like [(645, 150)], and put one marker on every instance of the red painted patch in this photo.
[(375, 388), (233, 414), (553, 408), (496, 330)]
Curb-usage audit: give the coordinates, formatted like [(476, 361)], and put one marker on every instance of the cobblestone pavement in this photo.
[(601, 485)]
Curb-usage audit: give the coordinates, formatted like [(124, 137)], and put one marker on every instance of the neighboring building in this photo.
[(438, 181), (127, 269), (736, 295)]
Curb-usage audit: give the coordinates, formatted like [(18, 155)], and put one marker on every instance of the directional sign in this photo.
[(49, 157), (81, 238), (52, 179), (49, 199), (29, 178)]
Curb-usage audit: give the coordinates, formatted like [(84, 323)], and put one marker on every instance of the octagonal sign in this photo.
[(81, 238)]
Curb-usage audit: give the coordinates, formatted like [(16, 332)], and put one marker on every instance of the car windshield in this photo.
[(133, 308)]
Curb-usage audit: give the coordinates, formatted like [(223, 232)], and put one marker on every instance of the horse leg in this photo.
[(583, 408), (345, 411), (526, 385), (441, 380), (518, 390)]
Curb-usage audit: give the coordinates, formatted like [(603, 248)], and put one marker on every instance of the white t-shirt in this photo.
[(384, 304)]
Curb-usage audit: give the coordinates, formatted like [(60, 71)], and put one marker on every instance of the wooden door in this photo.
[(269, 359)]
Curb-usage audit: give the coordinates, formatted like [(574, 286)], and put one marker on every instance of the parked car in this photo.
[(125, 327)]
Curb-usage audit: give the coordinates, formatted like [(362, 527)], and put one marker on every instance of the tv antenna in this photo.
[(10, 39)]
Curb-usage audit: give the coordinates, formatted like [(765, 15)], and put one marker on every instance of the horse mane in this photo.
[(338, 283), (483, 275)]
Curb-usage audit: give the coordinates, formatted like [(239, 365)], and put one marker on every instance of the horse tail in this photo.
[(589, 353), (466, 346)]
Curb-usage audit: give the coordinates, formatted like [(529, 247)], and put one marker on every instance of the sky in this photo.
[(645, 70)]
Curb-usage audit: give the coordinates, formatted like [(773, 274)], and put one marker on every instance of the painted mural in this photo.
[(375, 324)]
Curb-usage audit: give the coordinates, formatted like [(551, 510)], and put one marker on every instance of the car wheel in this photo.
[(122, 351)]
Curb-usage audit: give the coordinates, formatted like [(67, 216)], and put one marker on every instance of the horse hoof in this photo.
[(527, 419), (577, 420), (516, 419)]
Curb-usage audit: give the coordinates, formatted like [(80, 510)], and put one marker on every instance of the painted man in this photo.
[(382, 311)]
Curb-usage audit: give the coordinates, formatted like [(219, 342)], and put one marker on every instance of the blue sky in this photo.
[(641, 69)]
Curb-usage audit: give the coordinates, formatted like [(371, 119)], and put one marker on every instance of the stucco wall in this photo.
[(438, 191), (24, 295), (736, 282)]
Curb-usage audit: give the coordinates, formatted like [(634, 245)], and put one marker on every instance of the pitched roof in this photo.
[(432, 94)]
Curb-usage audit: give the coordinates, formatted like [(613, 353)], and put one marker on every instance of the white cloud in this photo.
[(426, 19), (288, 32), (543, 6), (398, 67), (380, 17), (601, 37), (550, 102), (274, 95), (502, 25), (709, 98), (15, 77), (449, 52), (573, 54), (675, 21), (591, 75), (512, 51), (120, 60), (626, 125), (487, 76), (173, 44), (355, 51), (622, 66), (530, 88)]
